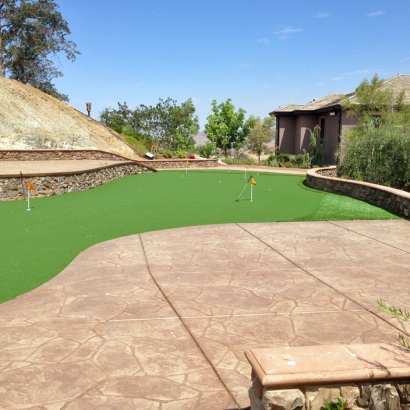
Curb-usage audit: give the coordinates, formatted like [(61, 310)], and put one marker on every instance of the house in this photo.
[(294, 121)]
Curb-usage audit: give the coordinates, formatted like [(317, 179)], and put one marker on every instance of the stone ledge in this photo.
[(388, 198), (370, 376), (328, 364), (58, 154)]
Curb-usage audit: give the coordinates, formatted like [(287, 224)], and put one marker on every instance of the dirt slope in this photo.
[(30, 119)]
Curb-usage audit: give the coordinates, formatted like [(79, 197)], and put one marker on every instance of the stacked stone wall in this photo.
[(48, 155), (180, 163), (391, 199), (367, 395), (12, 188)]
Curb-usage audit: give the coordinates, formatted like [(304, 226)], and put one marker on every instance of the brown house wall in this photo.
[(294, 136), (304, 123), (287, 134), (331, 137)]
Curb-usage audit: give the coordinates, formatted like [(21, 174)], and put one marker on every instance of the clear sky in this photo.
[(260, 53)]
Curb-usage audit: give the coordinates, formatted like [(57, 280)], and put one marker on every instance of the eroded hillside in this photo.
[(31, 119)]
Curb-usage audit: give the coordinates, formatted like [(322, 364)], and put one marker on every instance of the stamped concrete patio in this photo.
[(161, 320)]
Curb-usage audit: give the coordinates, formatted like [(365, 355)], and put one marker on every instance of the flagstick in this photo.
[(251, 191), (28, 200), (186, 168), (245, 173)]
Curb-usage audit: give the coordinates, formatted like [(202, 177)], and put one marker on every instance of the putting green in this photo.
[(36, 245)]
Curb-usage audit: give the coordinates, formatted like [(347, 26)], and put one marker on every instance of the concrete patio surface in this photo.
[(161, 320)]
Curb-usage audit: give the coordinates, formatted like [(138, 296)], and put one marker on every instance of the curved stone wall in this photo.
[(391, 199), (12, 188)]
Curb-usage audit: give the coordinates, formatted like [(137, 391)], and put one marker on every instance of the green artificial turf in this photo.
[(36, 245)]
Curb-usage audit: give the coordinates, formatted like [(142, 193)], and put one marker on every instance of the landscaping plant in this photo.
[(400, 314), (377, 154), (339, 404)]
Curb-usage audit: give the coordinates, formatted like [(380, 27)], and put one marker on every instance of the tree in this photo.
[(227, 128), (169, 125), (30, 32), (375, 105), (261, 133)]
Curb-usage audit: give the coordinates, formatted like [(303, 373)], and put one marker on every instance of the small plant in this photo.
[(336, 405), (181, 153), (167, 153), (400, 314)]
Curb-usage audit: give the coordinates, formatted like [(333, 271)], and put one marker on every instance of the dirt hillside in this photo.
[(31, 119)]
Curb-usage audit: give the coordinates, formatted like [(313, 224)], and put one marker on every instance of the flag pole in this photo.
[(186, 168), (28, 200), (251, 191)]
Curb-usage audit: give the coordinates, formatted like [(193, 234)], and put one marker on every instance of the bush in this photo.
[(206, 150), (181, 153), (167, 153), (380, 155)]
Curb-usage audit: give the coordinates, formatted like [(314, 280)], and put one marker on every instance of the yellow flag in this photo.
[(253, 182), (30, 186), (246, 166), (187, 163)]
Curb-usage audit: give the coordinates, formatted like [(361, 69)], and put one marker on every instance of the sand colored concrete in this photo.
[(161, 320), (29, 168)]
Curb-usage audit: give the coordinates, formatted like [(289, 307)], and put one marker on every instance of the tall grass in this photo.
[(379, 155)]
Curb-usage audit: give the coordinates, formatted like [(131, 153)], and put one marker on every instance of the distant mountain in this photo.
[(200, 138)]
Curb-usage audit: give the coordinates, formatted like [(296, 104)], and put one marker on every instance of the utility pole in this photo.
[(88, 105)]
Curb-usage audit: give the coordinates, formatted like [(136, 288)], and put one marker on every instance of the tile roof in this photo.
[(398, 83)]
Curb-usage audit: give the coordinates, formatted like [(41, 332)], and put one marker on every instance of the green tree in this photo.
[(373, 104), (167, 124), (260, 135), (227, 128), (32, 31)]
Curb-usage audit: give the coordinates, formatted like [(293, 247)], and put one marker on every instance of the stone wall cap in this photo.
[(293, 366)]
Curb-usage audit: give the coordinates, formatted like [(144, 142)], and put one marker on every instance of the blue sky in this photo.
[(262, 53)]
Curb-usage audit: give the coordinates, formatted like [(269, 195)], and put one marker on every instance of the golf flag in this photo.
[(30, 186), (253, 182), (246, 166)]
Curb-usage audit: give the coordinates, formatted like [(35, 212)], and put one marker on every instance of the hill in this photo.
[(31, 119)]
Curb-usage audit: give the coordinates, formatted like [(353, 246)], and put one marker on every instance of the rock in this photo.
[(256, 402), (365, 393), (384, 397), (316, 396), (404, 392), (290, 399)]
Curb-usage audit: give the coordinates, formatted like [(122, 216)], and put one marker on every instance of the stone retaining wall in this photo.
[(369, 395), (58, 154), (391, 199), (60, 183), (180, 163)]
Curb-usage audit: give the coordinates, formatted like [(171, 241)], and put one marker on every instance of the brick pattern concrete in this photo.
[(161, 320)]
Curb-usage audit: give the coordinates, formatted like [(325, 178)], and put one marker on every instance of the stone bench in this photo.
[(366, 376)]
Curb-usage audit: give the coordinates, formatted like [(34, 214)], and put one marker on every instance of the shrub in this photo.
[(380, 155), (181, 153), (167, 153), (206, 150)]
